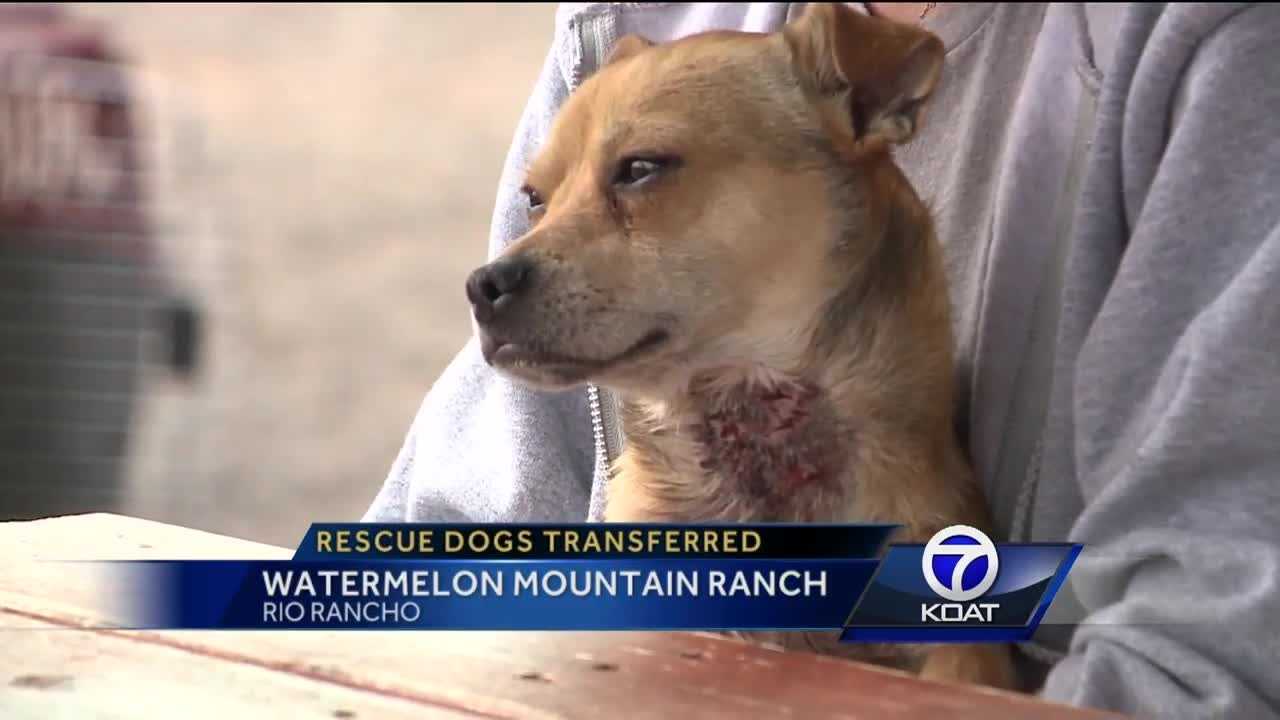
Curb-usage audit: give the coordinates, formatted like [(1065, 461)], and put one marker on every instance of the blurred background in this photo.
[(232, 246)]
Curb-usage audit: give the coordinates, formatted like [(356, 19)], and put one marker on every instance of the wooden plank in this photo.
[(48, 673), (103, 536), (564, 675), (34, 554)]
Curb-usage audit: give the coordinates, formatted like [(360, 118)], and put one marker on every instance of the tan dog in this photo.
[(720, 235)]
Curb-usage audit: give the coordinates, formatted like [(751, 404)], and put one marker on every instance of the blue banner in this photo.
[(657, 594), (601, 577)]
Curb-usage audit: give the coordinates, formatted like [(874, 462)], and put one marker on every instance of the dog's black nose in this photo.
[(494, 286)]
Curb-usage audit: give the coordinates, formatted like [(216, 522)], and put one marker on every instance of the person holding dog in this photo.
[(1102, 181)]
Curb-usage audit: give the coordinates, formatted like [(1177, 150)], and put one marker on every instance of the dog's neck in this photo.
[(773, 435), (772, 445)]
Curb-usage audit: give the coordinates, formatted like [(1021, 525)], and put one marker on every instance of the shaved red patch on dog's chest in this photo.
[(772, 441)]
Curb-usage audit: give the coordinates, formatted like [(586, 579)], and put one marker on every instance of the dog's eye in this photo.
[(535, 200), (634, 171)]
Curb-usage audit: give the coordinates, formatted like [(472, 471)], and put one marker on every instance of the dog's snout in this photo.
[(496, 285)]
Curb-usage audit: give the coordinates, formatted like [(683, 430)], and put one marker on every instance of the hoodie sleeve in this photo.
[(1176, 387), (484, 449)]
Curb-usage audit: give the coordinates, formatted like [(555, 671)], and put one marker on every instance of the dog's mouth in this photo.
[(525, 360)]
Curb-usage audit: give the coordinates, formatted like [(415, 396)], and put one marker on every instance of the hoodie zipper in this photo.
[(604, 427), (595, 35)]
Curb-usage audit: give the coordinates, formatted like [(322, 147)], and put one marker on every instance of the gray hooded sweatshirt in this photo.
[(1106, 181)]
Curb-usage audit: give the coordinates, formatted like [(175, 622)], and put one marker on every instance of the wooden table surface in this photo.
[(57, 661)]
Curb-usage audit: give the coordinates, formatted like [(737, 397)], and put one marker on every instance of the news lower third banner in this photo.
[(958, 587)]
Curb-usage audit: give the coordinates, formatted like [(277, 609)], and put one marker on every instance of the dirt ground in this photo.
[(329, 174)]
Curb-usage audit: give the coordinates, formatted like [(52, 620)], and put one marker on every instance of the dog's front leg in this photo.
[(989, 665)]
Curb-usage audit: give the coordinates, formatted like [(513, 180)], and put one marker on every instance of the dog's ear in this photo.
[(884, 70), (626, 46)]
